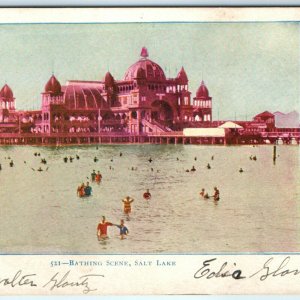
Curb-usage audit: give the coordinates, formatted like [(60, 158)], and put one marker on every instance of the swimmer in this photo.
[(87, 190), (147, 195), (77, 157), (71, 159), (102, 229), (216, 195), (98, 177), (80, 190), (195, 158), (127, 204), (123, 230), (93, 175), (121, 154), (65, 159), (203, 194)]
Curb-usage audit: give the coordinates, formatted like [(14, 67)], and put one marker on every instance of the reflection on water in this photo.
[(258, 211)]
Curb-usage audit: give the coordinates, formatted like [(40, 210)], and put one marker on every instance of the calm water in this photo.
[(258, 210)]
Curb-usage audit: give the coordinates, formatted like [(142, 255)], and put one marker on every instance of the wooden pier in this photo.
[(175, 137)]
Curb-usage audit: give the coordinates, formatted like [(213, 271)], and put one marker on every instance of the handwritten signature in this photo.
[(282, 270), (57, 281), (210, 269)]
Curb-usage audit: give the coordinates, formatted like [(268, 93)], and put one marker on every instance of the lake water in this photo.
[(258, 210)]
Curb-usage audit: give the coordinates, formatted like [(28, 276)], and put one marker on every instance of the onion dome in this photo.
[(109, 79), (182, 77), (6, 92), (151, 69), (53, 86), (202, 91)]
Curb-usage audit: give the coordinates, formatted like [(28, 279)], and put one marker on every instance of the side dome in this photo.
[(151, 69), (53, 86), (202, 91), (109, 79), (6, 92), (182, 77)]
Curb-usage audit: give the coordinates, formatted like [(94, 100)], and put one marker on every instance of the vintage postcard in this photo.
[(149, 151)]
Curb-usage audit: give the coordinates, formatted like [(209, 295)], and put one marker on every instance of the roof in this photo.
[(289, 120), (109, 79), (6, 92), (83, 97), (229, 124), (265, 114), (53, 86), (152, 70), (204, 132), (202, 91), (182, 77)]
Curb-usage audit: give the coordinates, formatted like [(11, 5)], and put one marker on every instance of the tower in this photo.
[(202, 104), (7, 102), (52, 99)]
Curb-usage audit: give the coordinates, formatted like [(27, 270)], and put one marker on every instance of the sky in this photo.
[(247, 67)]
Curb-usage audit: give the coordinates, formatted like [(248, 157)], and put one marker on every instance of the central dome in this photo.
[(152, 70)]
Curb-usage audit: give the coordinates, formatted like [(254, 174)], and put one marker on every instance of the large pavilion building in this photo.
[(142, 104), (144, 101)]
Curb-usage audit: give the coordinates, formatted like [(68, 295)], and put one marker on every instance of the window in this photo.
[(186, 100)]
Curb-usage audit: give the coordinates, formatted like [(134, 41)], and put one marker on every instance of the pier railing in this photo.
[(69, 135)]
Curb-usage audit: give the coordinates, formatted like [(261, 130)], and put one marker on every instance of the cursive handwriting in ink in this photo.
[(61, 282), (222, 272), (267, 271), (19, 280)]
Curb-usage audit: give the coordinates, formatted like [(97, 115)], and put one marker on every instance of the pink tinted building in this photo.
[(142, 104), (144, 101)]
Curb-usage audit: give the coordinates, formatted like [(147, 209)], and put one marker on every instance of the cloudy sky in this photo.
[(248, 67)]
